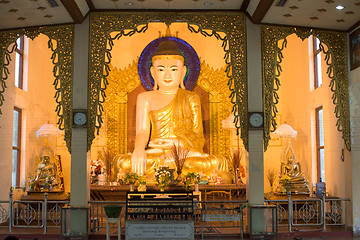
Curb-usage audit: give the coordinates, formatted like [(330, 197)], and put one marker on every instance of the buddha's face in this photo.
[(168, 73)]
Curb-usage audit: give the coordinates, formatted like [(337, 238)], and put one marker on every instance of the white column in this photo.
[(255, 170), (354, 91), (80, 181)]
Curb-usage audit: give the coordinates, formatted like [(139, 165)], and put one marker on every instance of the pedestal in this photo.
[(113, 220)]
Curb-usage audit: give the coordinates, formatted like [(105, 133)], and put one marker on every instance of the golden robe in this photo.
[(180, 119)]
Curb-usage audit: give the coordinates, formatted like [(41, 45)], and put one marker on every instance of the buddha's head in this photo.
[(168, 69), (291, 159)]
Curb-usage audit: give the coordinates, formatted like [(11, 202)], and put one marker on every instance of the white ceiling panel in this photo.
[(317, 13), (26, 13)]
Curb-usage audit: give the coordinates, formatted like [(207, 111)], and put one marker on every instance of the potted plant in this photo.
[(131, 178), (112, 211)]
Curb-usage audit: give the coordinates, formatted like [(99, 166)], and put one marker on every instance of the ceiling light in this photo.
[(129, 3), (340, 7), (207, 3)]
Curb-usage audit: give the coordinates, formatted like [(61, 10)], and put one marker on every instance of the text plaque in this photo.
[(221, 217), (162, 229)]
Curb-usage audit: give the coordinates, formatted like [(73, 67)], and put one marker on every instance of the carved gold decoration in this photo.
[(126, 80), (214, 82), (121, 82), (63, 67), (336, 59), (129, 23)]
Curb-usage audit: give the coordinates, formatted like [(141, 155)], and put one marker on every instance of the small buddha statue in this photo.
[(291, 178), (46, 176), (292, 169), (169, 115)]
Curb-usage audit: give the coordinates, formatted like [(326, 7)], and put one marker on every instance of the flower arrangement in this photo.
[(141, 184), (192, 177), (195, 177), (109, 159), (285, 180), (131, 178), (140, 181), (271, 178), (162, 177), (187, 183), (235, 166), (179, 154)]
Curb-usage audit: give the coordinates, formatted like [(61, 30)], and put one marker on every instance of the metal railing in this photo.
[(318, 213), (224, 224), (311, 212), (41, 214)]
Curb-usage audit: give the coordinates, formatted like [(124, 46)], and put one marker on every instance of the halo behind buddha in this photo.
[(191, 60)]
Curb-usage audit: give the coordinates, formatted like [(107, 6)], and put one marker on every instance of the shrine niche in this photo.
[(233, 43), (120, 106)]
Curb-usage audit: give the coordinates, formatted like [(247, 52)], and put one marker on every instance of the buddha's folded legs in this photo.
[(192, 164)]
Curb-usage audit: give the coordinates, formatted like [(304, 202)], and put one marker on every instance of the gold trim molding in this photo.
[(129, 23), (63, 67), (336, 59)]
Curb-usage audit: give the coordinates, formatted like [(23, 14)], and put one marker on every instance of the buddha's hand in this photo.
[(163, 143), (138, 162)]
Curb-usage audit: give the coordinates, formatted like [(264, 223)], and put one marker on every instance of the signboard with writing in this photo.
[(162, 229), (221, 217)]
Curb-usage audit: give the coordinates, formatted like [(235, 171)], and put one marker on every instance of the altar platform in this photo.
[(208, 192)]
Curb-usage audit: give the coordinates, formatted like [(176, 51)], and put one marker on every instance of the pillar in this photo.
[(255, 170), (80, 181), (354, 92)]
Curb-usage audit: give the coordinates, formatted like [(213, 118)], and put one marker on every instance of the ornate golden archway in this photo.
[(63, 66), (208, 24), (336, 59)]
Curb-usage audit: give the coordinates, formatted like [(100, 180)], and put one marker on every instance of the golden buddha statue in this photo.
[(291, 178), (47, 175), (169, 115)]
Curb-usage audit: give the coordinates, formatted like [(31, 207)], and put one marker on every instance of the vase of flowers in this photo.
[(179, 154), (131, 178), (285, 180), (195, 178), (187, 183), (236, 168), (141, 183), (271, 176), (162, 177)]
